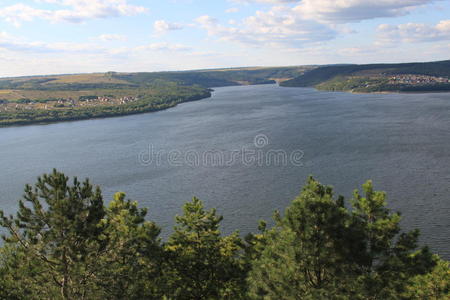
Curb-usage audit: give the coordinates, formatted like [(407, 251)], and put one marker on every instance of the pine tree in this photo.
[(391, 257), (131, 262), (18, 273), (57, 230), (202, 264), (64, 244), (434, 285), (307, 254), (320, 249)]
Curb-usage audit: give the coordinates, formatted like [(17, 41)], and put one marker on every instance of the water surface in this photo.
[(401, 141)]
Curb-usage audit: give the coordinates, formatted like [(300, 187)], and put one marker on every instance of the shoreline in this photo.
[(148, 110), (384, 92), (366, 93), (398, 92), (200, 97), (113, 115)]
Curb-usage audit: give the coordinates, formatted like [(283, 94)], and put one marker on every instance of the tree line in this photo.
[(326, 73), (160, 99), (65, 243)]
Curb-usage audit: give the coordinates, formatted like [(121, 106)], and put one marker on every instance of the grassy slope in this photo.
[(343, 77)]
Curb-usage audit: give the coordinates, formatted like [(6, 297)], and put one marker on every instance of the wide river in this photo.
[(248, 150)]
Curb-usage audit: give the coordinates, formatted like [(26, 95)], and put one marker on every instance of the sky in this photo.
[(83, 36)]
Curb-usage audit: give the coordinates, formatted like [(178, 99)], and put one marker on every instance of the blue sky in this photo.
[(76, 36)]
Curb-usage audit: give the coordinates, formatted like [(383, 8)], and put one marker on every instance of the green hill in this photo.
[(360, 77)]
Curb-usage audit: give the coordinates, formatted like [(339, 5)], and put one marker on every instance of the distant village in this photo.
[(83, 101), (412, 79)]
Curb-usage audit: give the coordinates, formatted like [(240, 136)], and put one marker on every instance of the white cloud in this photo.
[(14, 44), (232, 10), (414, 32), (207, 21), (76, 11), (111, 37), (18, 13), (8, 42), (356, 51), (18, 45), (162, 26), (308, 21), (163, 46), (341, 11), (278, 27)]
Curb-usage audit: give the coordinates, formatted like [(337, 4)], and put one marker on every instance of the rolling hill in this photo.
[(376, 77)]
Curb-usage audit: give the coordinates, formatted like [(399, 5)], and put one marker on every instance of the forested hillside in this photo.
[(66, 242), (377, 77), (216, 78)]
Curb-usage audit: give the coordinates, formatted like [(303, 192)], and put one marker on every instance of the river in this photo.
[(248, 150)]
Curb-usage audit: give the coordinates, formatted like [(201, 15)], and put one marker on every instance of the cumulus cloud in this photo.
[(162, 26), (341, 11), (75, 11), (278, 27), (414, 32), (305, 22)]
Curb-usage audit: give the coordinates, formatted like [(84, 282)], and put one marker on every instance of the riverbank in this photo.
[(145, 105), (390, 92), (58, 98)]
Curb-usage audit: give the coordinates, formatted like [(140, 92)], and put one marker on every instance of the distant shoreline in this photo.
[(394, 92), (366, 93), (195, 98)]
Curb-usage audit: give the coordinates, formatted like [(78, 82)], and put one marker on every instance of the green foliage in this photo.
[(131, 261), (335, 77), (391, 257), (214, 78), (354, 84), (63, 243), (162, 98), (308, 254), (361, 84), (202, 264), (20, 276), (320, 249), (434, 285)]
